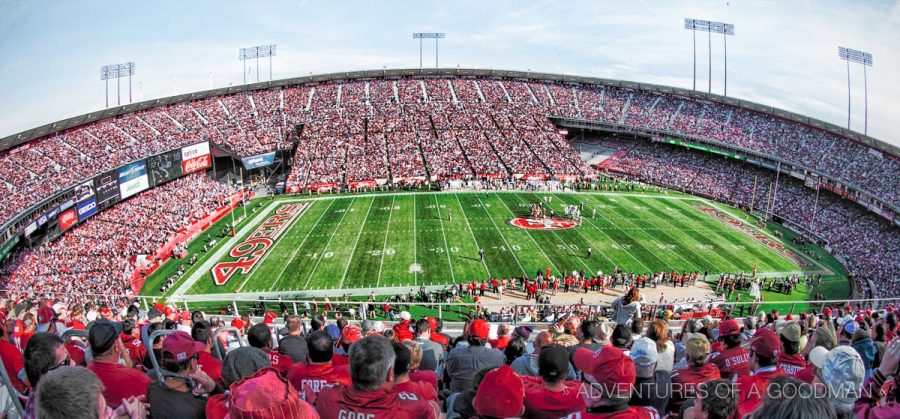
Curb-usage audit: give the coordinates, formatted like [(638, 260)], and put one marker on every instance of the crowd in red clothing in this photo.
[(833, 364), (865, 242), (96, 258)]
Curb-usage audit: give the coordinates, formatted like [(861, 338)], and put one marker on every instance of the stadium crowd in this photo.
[(97, 258), (867, 244), (841, 362), (413, 127)]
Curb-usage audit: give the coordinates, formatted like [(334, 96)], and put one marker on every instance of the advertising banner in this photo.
[(67, 219), (86, 208), (106, 186), (164, 167), (84, 191), (195, 158), (262, 160), (133, 178)]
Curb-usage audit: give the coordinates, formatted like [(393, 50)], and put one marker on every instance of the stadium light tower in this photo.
[(851, 55), (257, 52), (429, 35), (117, 71), (709, 27)]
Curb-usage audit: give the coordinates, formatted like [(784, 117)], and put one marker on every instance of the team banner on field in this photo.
[(255, 162), (250, 251), (164, 167), (195, 158), (106, 186), (133, 178)]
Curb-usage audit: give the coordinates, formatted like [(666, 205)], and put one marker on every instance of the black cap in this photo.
[(102, 335), (553, 363)]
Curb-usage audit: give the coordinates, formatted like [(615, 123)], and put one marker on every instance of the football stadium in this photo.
[(454, 240)]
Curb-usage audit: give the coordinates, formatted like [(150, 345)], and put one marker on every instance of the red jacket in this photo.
[(119, 382), (540, 402), (420, 388), (402, 331), (279, 361), (500, 343), (211, 366), (867, 406), (136, 350), (685, 380), (345, 402), (752, 389)]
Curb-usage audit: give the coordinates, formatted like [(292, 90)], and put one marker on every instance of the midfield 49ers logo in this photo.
[(249, 252)]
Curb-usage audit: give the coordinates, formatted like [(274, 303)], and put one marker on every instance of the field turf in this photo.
[(385, 242)]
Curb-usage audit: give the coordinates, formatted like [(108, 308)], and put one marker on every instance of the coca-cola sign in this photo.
[(67, 219), (195, 164)]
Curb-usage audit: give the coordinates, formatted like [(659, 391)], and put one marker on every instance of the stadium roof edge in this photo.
[(73, 122)]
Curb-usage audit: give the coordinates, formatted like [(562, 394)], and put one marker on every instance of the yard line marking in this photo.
[(322, 256), (628, 252), (623, 206), (532, 239), (300, 246), (461, 209), (353, 251), (446, 247), (501, 236), (387, 232)]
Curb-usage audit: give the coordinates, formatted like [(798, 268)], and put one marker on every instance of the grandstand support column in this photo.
[(866, 95), (106, 96), (848, 94), (420, 53), (709, 37), (695, 60), (725, 56)]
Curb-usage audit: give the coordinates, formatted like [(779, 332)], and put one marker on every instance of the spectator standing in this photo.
[(432, 352), (627, 307), (294, 344)]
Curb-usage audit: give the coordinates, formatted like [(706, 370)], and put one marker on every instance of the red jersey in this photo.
[(211, 366), (425, 376), (500, 343), (791, 364), (279, 361), (420, 388), (13, 361), (752, 389), (343, 402), (310, 379), (136, 349), (119, 382), (217, 407), (402, 331), (76, 353), (633, 412), (341, 360), (685, 380), (807, 374), (23, 341), (440, 338), (541, 402), (732, 361)]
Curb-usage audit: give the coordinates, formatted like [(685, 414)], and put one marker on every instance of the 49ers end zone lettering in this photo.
[(254, 247)]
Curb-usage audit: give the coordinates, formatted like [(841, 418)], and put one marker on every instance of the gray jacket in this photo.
[(432, 354)]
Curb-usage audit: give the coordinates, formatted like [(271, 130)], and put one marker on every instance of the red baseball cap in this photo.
[(729, 327), (270, 317), (860, 318), (827, 311), (168, 311), (266, 394), (432, 323), (106, 313), (765, 343), (789, 317), (237, 323), (180, 346), (608, 367), (350, 334), (501, 394), (480, 329), (184, 315)]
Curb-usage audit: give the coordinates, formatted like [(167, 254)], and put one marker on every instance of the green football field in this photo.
[(384, 242)]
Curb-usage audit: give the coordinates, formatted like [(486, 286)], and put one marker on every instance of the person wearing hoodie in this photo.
[(863, 345), (627, 307)]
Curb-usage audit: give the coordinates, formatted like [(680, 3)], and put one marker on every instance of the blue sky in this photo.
[(784, 53)]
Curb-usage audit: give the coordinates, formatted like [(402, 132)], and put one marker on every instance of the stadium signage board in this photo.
[(249, 252), (133, 178), (255, 162), (67, 219), (106, 186), (164, 167), (195, 158)]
